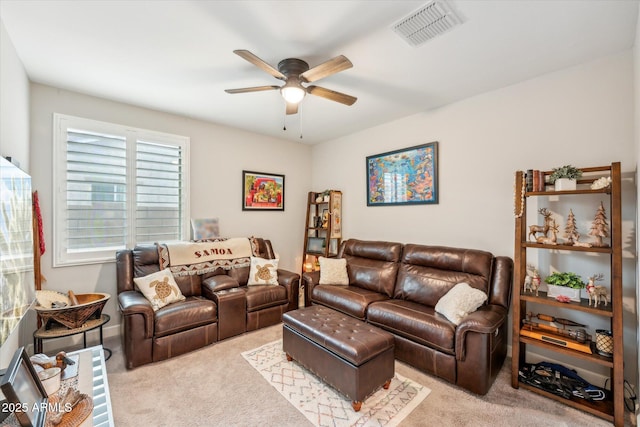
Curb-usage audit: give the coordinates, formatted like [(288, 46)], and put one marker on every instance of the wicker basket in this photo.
[(89, 306)]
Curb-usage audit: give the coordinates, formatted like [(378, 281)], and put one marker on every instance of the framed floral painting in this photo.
[(408, 176)]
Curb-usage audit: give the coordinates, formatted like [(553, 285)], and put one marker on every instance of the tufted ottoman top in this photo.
[(348, 338)]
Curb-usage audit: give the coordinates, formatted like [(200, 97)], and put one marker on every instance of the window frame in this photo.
[(61, 124)]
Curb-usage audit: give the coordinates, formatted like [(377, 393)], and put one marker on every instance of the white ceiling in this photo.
[(177, 56)]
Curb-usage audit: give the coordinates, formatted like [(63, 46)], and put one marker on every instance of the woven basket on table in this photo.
[(74, 316)]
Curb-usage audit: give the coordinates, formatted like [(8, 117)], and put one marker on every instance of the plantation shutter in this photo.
[(158, 192), (96, 189), (116, 187)]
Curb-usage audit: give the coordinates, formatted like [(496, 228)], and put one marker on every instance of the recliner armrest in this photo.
[(486, 320), (213, 284), (291, 281), (133, 302)]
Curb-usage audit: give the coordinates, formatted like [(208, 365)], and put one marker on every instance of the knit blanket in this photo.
[(203, 256)]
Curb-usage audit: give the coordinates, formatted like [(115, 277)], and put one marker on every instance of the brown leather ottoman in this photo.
[(352, 356)]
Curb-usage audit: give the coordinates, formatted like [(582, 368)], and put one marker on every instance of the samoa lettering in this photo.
[(213, 251)]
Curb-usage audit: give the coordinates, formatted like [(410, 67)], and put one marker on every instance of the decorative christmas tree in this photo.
[(571, 230), (600, 227)]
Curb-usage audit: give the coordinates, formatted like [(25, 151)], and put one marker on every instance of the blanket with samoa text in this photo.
[(203, 256)]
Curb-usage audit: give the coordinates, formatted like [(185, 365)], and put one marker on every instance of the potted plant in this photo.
[(564, 284), (565, 177)]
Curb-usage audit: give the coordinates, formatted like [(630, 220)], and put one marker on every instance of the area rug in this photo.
[(325, 406)]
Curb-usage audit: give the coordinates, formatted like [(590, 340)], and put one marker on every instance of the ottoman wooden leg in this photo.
[(289, 358), (386, 385), (356, 405)]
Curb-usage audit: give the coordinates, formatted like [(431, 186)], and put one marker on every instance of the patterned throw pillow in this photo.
[(333, 271), (461, 300), (159, 288), (263, 271)]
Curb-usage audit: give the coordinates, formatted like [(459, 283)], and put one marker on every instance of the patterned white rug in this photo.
[(323, 405)]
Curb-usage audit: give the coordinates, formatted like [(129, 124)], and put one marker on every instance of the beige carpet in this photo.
[(215, 386)]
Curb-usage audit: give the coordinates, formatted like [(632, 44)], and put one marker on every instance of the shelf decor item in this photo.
[(262, 191), (408, 176), (597, 293), (600, 227), (564, 284), (565, 177)]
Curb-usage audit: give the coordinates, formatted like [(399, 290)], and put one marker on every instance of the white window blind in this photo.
[(116, 186)]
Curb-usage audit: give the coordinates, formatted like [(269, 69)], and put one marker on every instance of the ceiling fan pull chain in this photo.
[(300, 118)]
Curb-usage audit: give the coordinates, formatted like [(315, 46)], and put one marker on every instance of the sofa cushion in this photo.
[(264, 296), (183, 315), (333, 271), (351, 300), (415, 322), (263, 271), (427, 273), (159, 288), (461, 300), (372, 265)]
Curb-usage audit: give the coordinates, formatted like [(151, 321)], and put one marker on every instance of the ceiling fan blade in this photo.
[(332, 66), (260, 63), (292, 108), (252, 89), (332, 95)]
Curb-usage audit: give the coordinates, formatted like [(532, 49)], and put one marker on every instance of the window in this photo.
[(116, 187)]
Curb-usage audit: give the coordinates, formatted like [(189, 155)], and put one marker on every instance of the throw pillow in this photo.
[(461, 300), (263, 271), (159, 288), (333, 271)]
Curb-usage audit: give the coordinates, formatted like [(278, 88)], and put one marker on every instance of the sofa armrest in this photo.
[(133, 302), (310, 279), (213, 284), (486, 320), (291, 281)]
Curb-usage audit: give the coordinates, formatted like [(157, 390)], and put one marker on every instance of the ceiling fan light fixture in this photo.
[(293, 92)]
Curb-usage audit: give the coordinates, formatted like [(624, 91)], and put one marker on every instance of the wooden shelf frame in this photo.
[(611, 409)]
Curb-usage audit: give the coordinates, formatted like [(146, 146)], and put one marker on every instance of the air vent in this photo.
[(430, 21)]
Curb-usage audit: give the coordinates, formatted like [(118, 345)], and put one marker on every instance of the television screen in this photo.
[(17, 289)]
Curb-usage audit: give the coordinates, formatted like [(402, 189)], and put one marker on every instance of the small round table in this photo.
[(55, 330)]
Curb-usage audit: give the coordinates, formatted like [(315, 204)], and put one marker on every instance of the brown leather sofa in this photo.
[(217, 305), (396, 287)]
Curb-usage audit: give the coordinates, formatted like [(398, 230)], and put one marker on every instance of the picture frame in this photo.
[(262, 191), (24, 391), (205, 228), (315, 245), (408, 176)]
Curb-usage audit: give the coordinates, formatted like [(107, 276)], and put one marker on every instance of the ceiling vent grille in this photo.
[(433, 19)]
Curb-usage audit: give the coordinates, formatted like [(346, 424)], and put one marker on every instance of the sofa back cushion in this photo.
[(427, 273), (372, 265)]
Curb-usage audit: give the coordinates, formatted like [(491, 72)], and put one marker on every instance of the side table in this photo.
[(54, 330)]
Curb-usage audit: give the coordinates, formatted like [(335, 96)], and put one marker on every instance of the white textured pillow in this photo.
[(333, 271), (461, 300), (263, 271), (160, 288)]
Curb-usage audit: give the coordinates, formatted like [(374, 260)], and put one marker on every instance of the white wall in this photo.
[(218, 156), (582, 116), (14, 137)]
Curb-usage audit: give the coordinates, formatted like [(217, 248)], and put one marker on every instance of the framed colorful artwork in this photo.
[(262, 191), (403, 177)]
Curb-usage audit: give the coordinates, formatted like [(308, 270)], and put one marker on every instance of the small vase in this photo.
[(565, 184), (326, 198), (555, 291)]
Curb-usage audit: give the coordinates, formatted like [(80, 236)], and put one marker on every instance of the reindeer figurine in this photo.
[(544, 229), (532, 281), (597, 293), (553, 240)]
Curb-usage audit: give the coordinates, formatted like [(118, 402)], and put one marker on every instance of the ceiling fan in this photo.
[(295, 72)]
